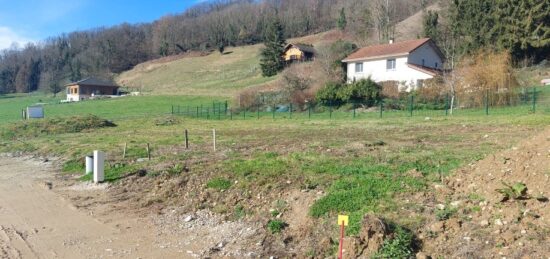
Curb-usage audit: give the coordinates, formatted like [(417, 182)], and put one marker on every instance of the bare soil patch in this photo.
[(485, 224)]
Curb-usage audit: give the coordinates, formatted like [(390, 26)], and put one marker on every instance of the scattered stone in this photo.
[(498, 222), (484, 223), (440, 206), (455, 204), (188, 218)]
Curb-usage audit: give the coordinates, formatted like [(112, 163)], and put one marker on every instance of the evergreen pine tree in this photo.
[(430, 25), (271, 61), (342, 22)]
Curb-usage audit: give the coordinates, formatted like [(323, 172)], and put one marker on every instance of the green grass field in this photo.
[(125, 107), (212, 75)]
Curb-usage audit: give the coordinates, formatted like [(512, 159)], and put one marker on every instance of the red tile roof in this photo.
[(385, 50)]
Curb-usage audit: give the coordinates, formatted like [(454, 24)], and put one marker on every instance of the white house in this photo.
[(407, 62)]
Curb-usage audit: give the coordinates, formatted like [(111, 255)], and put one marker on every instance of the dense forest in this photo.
[(470, 24)]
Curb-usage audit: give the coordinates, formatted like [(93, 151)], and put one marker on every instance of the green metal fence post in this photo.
[(197, 112), (172, 109), (179, 110), (381, 108), (219, 111), (309, 110), (230, 114), (411, 107), (330, 111), (201, 111), (225, 107), (207, 113), (534, 99), (258, 112), (354, 108), (290, 110), (446, 104), (487, 102), (244, 114), (273, 112)]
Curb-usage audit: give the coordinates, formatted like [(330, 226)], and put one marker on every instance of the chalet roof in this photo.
[(389, 50), (93, 81), (302, 47)]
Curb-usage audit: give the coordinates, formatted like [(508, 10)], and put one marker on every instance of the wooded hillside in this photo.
[(104, 52)]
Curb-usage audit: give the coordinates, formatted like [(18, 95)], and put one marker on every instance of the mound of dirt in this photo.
[(486, 223)]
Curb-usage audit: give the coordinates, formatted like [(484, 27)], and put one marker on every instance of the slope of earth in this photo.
[(211, 74), (486, 223)]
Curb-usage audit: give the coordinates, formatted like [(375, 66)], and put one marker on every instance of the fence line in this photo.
[(532, 101)]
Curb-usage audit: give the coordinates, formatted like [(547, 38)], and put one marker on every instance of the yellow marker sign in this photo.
[(344, 218)]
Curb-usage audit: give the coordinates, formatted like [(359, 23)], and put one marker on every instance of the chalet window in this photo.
[(436, 64), (423, 62), (390, 64), (358, 67)]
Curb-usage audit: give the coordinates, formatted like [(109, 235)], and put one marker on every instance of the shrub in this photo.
[(486, 71), (400, 246), (330, 94), (445, 213), (365, 91), (276, 226)]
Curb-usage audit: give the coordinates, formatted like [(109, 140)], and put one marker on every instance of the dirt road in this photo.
[(36, 222)]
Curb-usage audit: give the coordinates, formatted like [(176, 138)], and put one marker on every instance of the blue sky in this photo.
[(25, 21)]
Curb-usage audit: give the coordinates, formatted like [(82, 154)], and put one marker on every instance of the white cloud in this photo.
[(8, 37)]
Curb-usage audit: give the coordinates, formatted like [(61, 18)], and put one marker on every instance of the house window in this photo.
[(358, 67), (423, 62), (390, 64), (436, 64)]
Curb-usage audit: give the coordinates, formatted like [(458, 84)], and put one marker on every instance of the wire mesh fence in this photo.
[(526, 101)]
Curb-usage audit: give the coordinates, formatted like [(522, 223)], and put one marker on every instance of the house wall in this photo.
[(77, 93), (377, 71), (429, 55), (293, 51)]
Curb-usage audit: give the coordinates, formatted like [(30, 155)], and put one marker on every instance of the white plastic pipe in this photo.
[(99, 166), (89, 164)]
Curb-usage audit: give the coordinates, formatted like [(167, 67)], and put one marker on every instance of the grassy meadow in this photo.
[(215, 74)]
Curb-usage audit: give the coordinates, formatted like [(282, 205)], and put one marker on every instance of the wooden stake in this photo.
[(124, 151), (148, 152), (214, 138), (186, 139)]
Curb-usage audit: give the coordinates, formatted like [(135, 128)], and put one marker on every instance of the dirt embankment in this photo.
[(497, 207)]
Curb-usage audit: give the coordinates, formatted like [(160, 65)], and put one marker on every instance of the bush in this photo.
[(365, 91), (329, 95), (276, 226), (400, 246)]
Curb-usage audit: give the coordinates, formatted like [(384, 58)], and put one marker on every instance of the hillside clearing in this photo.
[(215, 74)]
